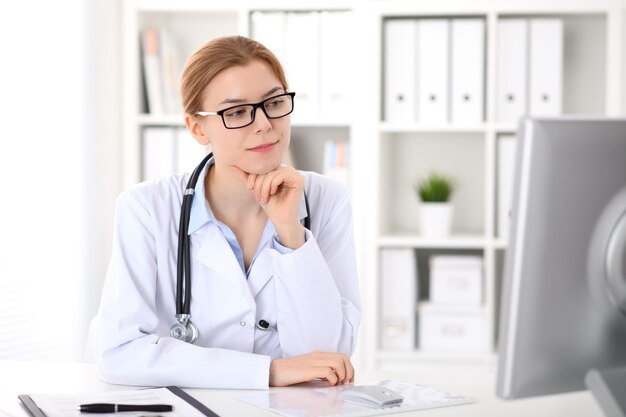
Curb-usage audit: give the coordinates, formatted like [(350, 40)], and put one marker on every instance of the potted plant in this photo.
[(434, 192)]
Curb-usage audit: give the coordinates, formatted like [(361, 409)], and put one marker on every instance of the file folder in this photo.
[(335, 63), (511, 70), (546, 67), (467, 70), (399, 298), (302, 47), (432, 73), (506, 175), (399, 70)]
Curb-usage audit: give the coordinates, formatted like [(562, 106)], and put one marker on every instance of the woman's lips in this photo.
[(266, 147)]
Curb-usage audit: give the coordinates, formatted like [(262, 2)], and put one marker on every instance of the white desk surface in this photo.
[(67, 378)]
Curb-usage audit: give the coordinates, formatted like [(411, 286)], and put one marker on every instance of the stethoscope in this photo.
[(184, 329)]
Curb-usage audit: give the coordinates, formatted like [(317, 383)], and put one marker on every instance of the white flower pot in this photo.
[(435, 219)]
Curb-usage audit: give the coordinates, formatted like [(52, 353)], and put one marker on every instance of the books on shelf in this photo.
[(161, 67), (337, 160), (399, 294)]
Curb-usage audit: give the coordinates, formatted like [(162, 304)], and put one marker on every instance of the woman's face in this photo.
[(259, 147)]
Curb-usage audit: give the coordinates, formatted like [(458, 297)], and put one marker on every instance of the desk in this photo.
[(66, 378)]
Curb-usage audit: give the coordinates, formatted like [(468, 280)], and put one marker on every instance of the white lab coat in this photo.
[(310, 296)]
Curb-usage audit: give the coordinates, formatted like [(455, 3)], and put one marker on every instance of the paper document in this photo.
[(66, 405), (316, 400)]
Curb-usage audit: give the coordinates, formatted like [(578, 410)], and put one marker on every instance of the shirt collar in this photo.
[(201, 212)]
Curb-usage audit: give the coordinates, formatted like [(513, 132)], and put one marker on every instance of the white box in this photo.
[(451, 328), (456, 280)]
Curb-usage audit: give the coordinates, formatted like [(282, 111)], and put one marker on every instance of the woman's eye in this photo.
[(235, 113), (274, 103)]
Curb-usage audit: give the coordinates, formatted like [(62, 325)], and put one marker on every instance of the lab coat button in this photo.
[(242, 323)]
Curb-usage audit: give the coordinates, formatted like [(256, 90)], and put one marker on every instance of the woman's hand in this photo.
[(335, 368), (279, 193)]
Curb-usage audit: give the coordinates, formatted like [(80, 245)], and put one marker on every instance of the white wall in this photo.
[(57, 171)]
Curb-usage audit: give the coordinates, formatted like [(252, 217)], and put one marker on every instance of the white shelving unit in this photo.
[(401, 152), (386, 158)]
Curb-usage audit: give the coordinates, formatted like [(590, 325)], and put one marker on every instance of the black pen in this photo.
[(116, 408)]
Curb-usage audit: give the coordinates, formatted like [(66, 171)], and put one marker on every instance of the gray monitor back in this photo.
[(558, 318)]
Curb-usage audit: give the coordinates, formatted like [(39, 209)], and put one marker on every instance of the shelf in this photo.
[(173, 120), (417, 241), (385, 127)]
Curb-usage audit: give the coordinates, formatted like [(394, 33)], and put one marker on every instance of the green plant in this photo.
[(435, 188)]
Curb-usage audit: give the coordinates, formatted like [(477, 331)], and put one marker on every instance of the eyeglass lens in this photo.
[(273, 107)]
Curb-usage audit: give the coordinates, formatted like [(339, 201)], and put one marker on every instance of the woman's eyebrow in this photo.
[(239, 100)]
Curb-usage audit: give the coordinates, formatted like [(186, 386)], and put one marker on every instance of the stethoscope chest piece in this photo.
[(184, 329)]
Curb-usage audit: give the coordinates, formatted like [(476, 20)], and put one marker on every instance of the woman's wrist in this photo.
[(291, 237)]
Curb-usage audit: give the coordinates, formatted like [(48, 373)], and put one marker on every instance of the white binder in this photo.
[(432, 73), (511, 70), (158, 152), (335, 63), (399, 70), (302, 46), (398, 288), (506, 179), (546, 67), (467, 70), (269, 28)]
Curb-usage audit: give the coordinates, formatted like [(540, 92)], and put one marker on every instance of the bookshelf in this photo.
[(387, 156)]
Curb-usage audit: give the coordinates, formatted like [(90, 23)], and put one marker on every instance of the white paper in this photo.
[(66, 405), (315, 400)]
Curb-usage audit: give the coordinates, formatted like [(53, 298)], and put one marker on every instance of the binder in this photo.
[(158, 152), (546, 67), (189, 152), (335, 60), (398, 287), (302, 47), (506, 178), (467, 70), (511, 70), (400, 45), (269, 28), (432, 73)]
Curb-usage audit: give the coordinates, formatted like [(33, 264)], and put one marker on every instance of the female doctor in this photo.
[(274, 303)]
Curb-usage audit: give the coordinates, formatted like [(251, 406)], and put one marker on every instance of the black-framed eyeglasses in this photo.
[(242, 115)]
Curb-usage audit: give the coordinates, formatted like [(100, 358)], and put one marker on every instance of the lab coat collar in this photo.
[(201, 212)]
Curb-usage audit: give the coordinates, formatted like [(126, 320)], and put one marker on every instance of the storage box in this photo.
[(451, 328), (456, 280)]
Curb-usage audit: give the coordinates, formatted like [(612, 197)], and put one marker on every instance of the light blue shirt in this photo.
[(203, 213)]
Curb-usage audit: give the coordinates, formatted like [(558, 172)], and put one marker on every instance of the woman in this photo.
[(275, 304)]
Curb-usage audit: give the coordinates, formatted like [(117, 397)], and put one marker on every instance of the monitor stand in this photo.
[(609, 389)]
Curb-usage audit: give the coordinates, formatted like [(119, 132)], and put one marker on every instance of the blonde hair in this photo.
[(217, 55)]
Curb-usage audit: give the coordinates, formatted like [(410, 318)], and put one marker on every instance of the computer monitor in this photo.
[(563, 309)]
